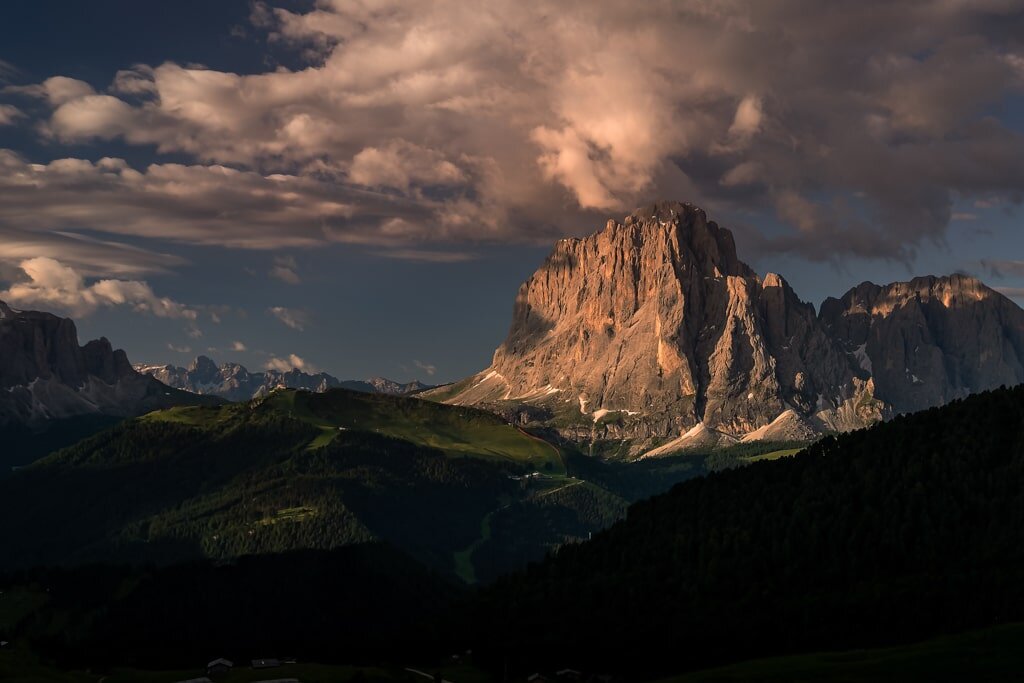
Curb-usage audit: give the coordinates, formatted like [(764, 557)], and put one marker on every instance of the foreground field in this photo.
[(994, 654)]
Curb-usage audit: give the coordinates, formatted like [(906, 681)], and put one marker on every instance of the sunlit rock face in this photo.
[(653, 326), (656, 321)]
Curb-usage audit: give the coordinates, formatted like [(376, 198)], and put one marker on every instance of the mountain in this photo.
[(930, 340), (458, 488), (234, 382), (53, 391), (906, 530), (652, 328)]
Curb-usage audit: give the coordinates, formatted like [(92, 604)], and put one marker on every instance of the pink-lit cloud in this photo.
[(442, 122)]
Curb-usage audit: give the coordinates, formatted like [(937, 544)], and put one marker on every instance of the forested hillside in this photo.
[(358, 604), (902, 531), (458, 488)]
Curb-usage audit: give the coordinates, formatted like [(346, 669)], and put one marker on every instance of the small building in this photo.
[(219, 666), (266, 663)]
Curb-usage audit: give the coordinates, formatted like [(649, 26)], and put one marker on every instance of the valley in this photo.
[(458, 488), (517, 342), (667, 448)]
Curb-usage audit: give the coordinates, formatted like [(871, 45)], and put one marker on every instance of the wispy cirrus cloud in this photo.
[(285, 269), (428, 368), (9, 114), (1003, 267), (294, 318)]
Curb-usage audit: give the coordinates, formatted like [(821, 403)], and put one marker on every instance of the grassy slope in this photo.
[(774, 455), (995, 654), (295, 469), (455, 430)]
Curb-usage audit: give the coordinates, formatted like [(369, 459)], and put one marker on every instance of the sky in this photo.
[(360, 186)]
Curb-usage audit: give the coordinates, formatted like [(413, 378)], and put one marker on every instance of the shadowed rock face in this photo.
[(930, 340), (653, 325), (46, 375)]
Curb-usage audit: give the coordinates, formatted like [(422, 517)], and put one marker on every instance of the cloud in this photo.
[(284, 269), (238, 346), (429, 256), (400, 165), (292, 362), (8, 71), (88, 255), (9, 114), (50, 283), (292, 317), (426, 367), (747, 120), (1011, 292), (1001, 268), (857, 125), (179, 349)]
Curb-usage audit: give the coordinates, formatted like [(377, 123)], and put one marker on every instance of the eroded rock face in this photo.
[(656, 321), (652, 327), (930, 340), (46, 375)]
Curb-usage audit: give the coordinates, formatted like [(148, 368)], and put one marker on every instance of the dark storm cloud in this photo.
[(859, 125)]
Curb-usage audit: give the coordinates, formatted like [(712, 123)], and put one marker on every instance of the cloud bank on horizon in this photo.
[(415, 126)]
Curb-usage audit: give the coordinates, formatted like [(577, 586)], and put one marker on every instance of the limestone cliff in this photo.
[(930, 340), (45, 375), (653, 326)]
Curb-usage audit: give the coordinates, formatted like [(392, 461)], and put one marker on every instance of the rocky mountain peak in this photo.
[(655, 316), (930, 340), (652, 326), (204, 368), (47, 375)]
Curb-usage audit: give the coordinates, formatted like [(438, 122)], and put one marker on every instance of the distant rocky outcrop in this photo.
[(653, 328), (234, 382), (45, 376), (930, 340)]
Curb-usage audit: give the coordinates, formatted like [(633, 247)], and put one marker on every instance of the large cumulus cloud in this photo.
[(857, 126)]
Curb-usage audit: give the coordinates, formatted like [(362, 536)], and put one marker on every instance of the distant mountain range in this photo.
[(234, 382), (653, 331)]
